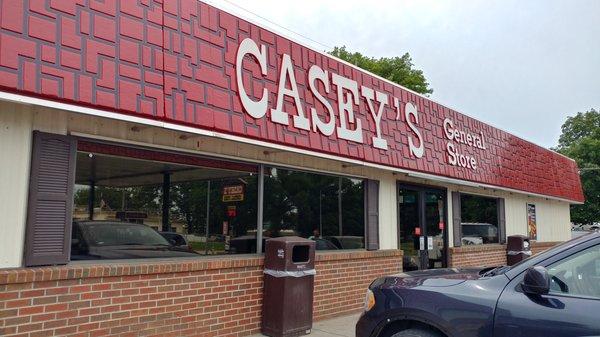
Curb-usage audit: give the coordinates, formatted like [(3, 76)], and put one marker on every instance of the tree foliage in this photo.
[(398, 69), (580, 140), (139, 198)]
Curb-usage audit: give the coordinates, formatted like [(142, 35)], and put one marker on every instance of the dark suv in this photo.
[(555, 293)]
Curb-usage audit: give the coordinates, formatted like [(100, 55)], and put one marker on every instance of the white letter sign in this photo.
[(316, 73), (411, 110), (346, 122), (277, 114), (249, 47), (382, 99), (346, 109)]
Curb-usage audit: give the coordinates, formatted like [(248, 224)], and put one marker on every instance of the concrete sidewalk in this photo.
[(340, 326)]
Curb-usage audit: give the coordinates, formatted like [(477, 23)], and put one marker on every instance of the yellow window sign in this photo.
[(233, 193)]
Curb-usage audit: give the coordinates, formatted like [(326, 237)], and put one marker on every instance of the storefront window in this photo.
[(131, 203), (152, 208), (327, 209), (231, 208), (479, 219)]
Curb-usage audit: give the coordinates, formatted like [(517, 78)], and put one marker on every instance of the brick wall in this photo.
[(538, 247), (342, 279), (488, 255), (203, 297), (477, 255)]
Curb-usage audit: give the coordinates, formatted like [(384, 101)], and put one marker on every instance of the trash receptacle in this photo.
[(518, 249), (288, 286)]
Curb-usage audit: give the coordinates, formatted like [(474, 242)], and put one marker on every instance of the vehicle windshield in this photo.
[(121, 234), (551, 251)]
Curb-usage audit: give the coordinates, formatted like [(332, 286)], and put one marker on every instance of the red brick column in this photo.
[(216, 296)]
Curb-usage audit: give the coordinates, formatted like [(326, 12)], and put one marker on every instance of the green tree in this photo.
[(580, 140), (136, 198), (398, 69)]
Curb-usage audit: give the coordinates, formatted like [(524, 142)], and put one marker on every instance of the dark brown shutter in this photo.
[(501, 221), (372, 214), (50, 205), (456, 219)]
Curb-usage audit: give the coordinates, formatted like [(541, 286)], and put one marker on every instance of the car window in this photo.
[(176, 239), (578, 274)]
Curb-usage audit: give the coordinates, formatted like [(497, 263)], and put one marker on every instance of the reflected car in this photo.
[(487, 232), (177, 240), (245, 244), (555, 293), (324, 244), (347, 242), (587, 227), (108, 240), (471, 240)]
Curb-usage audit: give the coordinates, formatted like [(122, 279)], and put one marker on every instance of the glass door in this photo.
[(409, 228), (435, 228), (422, 227)]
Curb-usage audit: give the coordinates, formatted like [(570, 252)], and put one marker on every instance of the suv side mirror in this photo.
[(536, 281)]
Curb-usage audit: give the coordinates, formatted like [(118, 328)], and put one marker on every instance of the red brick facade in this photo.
[(538, 247), (202, 297), (342, 279), (487, 255), (477, 255), (176, 61)]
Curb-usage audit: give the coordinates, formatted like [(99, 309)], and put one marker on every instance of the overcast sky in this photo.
[(522, 66)]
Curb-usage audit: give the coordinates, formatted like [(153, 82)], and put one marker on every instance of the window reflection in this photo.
[(327, 209), (479, 219), (178, 209), (133, 207)]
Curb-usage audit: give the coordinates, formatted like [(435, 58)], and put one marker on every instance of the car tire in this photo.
[(416, 333)]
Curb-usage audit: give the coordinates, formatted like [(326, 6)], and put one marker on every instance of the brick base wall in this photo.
[(538, 247), (342, 279), (477, 255), (488, 255), (202, 297)]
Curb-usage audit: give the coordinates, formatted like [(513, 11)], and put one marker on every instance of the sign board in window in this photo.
[(231, 211), (233, 193), (531, 222)]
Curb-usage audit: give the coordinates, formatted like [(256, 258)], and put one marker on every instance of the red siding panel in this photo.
[(178, 65)]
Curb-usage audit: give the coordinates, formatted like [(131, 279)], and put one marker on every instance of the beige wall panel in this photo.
[(553, 220), (15, 150)]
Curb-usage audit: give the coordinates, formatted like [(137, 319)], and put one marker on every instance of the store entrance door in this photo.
[(422, 226)]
